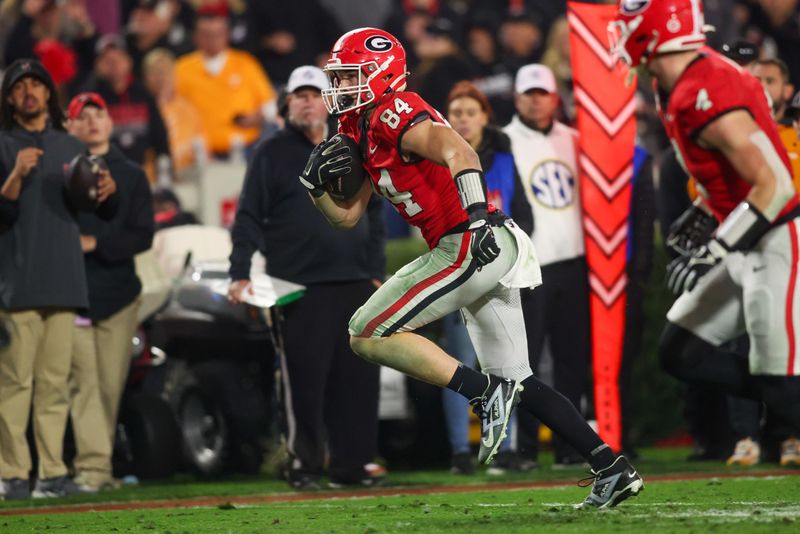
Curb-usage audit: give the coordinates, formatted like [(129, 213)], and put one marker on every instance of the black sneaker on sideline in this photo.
[(612, 485), (461, 464), (62, 486), (493, 409), (16, 488)]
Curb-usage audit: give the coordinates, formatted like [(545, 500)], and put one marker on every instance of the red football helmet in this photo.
[(365, 64), (645, 28)]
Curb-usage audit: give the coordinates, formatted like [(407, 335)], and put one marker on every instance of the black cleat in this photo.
[(613, 485), (493, 408)]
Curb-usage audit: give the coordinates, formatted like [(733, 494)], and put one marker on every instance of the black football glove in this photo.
[(690, 231), (329, 160), (484, 248), (684, 271)]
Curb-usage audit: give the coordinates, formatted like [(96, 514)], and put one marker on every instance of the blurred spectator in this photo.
[(778, 22), (469, 113), (793, 112), (442, 63), (182, 119), (339, 269), (106, 14), (102, 337), (490, 75), (351, 14), (156, 24), (558, 312), (409, 19), (60, 34), (299, 32), (521, 38), (168, 210), (774, 76), (742, 52), (139, 130), (42, 278), (228, 87), (792, 117), (557, 57)]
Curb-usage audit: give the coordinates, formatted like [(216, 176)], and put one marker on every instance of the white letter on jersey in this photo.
[(703, 103), (396, 197)]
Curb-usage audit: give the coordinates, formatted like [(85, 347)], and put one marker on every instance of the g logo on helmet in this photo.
[(631, 7), (378, 43)]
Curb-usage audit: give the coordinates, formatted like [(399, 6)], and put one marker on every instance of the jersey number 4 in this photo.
[(392, 118), (396, 197)]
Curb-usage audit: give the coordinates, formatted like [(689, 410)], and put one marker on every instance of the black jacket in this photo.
[(110, 270), (41, 263), (277, 216)]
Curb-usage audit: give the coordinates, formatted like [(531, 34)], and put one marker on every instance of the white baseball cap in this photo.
[(535, 76), (307, 76)]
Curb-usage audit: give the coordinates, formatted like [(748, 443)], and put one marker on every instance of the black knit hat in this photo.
[(22, 68), (18, 70)]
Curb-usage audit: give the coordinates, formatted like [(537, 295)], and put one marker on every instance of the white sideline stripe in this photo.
[(590, 39)]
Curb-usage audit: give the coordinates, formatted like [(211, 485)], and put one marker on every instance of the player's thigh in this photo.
[(497, 329), (439, 282), (770, 287), (713, 310)]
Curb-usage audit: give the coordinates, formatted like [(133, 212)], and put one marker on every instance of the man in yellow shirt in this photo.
[(183, 120), (228, 87)]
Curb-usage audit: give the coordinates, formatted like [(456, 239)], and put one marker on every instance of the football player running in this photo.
[(743, 277), (477, 262)]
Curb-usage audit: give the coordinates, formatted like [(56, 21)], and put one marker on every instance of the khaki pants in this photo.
[(100, 362), (35, 366)]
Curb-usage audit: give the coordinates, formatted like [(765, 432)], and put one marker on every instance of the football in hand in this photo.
[(81, 181), (348, 185)]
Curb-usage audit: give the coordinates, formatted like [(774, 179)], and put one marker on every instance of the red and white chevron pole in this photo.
[(607, 129)]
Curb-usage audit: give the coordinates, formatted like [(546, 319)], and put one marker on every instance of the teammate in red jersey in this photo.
[(743, 277), (477, 262)]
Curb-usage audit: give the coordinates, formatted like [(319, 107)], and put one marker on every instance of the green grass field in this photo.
[(436, 501)]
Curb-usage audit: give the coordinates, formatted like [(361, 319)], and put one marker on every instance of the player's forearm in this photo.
[(344, 215), (461, 158), (338, 216), (761, 166)]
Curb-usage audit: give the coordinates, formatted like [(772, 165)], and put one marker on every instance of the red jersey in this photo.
[(711, 86), (423, 192)]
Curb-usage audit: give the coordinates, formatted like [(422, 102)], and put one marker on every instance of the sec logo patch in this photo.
[(552, 184)]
